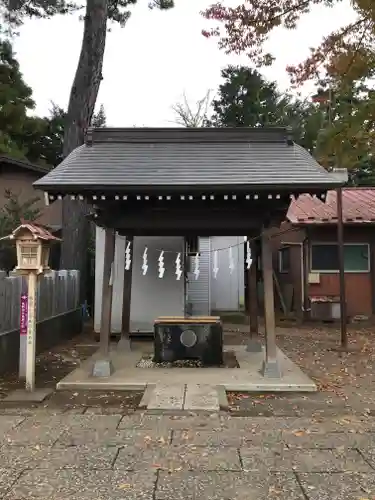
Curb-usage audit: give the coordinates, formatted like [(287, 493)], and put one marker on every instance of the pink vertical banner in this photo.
[(24, 314)]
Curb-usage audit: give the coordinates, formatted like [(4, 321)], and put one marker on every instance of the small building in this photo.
[(306, 255), (16, 184), (182, 184), (17, 177)]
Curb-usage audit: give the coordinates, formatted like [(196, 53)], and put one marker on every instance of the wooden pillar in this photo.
[(103, 366), (124, 342), (254, 344), (31, 330), (271, 365)]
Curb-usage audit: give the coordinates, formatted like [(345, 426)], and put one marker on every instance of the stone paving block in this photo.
[(113, 437), (8, 422), (166, 397), (369, 455), (105, 410), (201, 397), (333, 440), (79, 410), (260, 424), (353, 486), (68, 420), (176, 458), (226, 438), (7, 478), (24, 412), (33, 435), (47, 429), (83, 485), (348, 423), (176, 422), (22, 457), (259, 459), (92, 421), (226, 485), (43, 457)]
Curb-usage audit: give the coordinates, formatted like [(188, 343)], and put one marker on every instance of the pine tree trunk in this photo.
[(85, 88)]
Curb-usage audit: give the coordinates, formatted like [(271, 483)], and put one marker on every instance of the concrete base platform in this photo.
[(247, 378), (22, 396)]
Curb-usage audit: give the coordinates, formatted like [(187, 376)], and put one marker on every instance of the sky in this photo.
[(154, 60)]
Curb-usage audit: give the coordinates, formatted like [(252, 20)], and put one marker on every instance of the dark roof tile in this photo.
[(242, 157)]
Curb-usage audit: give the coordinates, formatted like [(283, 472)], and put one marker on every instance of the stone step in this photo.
[(201, 397), (182, 397)]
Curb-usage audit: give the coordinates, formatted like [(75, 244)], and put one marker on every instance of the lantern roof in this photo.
[(37, 231)]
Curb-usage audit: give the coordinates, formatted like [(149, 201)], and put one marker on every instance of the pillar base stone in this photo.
[(102, 368), (124, 343), (254, 345), (271, 369)]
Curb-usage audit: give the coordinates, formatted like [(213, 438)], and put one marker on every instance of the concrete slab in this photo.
[(146, 398), (201, 397), (339, 486), (247, 378), (167, 397), (177, 458), (223, 399), (81, 484), (190, 485), (22, 396)]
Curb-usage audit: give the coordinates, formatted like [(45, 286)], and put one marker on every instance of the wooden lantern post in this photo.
[(33, 246)]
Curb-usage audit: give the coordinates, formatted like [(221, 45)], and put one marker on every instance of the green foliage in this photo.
[(14, 12), (347, 138), (99, 119), (38, 140), (11, 215), (247, 99), (15, 102)]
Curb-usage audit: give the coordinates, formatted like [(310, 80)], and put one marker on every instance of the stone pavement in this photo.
[(183, 397), (88, 456)]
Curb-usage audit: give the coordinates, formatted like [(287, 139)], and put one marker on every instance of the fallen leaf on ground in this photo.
[(299, 433)]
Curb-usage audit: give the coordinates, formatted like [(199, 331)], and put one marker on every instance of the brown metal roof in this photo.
[(358, 207)]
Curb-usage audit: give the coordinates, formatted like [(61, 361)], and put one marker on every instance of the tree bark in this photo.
[(83, 95)]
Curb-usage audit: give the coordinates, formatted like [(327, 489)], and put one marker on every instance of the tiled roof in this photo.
[(37, 230), (358, 208), (24, 164), (137, 158)]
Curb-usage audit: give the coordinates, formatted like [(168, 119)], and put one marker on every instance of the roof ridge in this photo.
[(187, 135)]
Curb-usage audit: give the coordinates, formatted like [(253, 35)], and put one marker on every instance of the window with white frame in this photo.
[(284, 260), (324, 257)]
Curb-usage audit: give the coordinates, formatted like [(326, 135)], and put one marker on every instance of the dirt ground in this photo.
[(345, 380), (55, 364)]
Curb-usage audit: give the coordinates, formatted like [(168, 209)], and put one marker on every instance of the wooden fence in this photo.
[(58, 293)]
